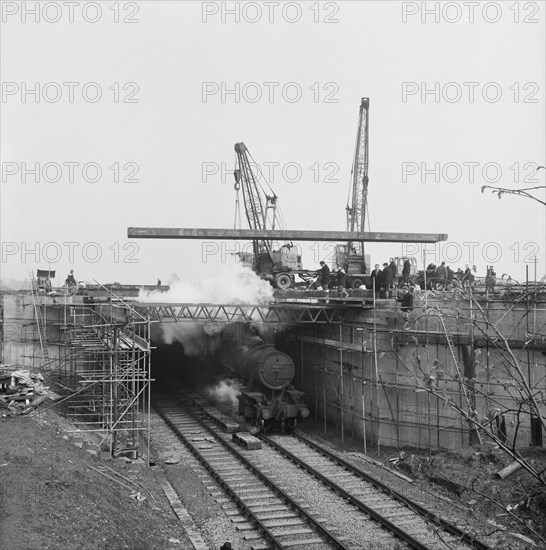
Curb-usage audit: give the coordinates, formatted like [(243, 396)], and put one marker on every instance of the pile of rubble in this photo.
[(21, 391)]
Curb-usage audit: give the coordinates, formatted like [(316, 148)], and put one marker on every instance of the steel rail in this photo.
[(330, 538)]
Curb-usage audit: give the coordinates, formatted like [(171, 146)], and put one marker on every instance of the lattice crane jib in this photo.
[(260, 208), (356, 211)]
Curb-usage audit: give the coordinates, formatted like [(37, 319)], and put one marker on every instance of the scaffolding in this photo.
[(102, 365), (110, 375)]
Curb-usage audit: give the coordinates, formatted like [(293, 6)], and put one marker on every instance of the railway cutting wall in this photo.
[(406, 388)]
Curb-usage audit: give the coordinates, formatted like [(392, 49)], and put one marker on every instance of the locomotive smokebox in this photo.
[(269, 367)]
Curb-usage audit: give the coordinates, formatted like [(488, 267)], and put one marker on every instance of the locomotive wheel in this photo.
[(356, 283), (283, 281)]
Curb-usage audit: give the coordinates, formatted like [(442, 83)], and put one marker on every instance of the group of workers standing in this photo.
[(341, 279), (383, 284), (383, 279), (442, 277)]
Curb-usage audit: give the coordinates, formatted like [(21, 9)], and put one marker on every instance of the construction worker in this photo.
[(341, 279), (490, 279), (388, 279), (468, 277), (324, 275), (449, 275), (377, 278), (406, 270), (407, 307), (70, 280), (441, 276), (393, 267)]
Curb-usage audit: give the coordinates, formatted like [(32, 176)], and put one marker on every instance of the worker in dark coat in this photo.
[(407, 301), (377, 278), (490, 279), (388, 278), (324, 275), (441, 276), (226, 546), (468, 278), (393, 267), (407, 306), (406, 270), (341, 279), (70, 279)]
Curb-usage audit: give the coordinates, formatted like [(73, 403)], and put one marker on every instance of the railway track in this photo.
[(269, 515), (418, 527), (276, 515)]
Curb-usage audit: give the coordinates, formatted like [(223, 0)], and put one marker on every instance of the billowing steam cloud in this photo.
[(231, 284), (191, 335), (224, 393)]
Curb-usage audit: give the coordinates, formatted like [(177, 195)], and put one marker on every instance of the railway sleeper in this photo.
[(278, 515), (402, 516), (225, 465), (400, 507), (240, 487), (229, 470), (272, 508), (304, 543), (267, 504), (239, 519), (283, 523), (252, 536), (244, 527), (257, 495), (290, 532)]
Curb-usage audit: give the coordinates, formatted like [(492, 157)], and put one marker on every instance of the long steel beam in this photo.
[(280, 235)]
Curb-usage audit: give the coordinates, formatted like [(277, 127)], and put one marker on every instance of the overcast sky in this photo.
[(149, 98)]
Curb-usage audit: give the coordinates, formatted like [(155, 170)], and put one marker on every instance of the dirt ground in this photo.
[(50, 498)]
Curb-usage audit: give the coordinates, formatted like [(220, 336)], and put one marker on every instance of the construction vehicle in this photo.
[(279, 264), (351, 256)]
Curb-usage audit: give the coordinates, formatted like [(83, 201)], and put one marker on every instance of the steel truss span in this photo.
[(310, 313)]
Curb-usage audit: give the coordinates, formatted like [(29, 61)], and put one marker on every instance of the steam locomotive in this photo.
[(268, 401)]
